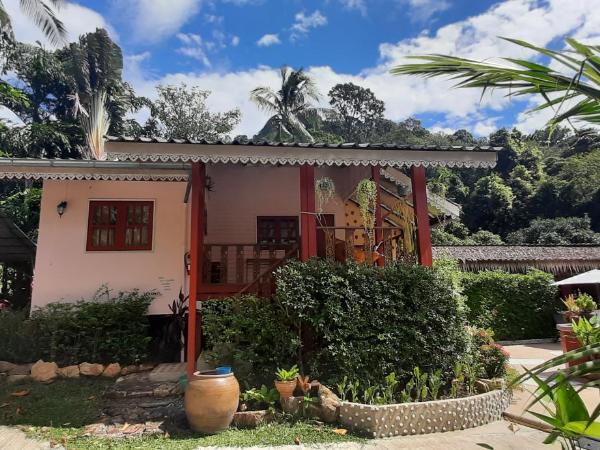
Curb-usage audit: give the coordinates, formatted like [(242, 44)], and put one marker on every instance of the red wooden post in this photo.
[(376, 175), (308, 223), (419, 191), (196, 243)]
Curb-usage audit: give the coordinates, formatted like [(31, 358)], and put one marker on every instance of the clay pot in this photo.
[(285, 388), (210, 401)]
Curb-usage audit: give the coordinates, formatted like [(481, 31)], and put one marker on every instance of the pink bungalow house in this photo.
[(217, 219)]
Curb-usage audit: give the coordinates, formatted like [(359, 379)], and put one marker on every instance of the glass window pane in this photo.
[(144, 235), (136, 236), (146, 218), (128, 236), (129, 215), (113, 215), (138, 214), (103, 237), (96, 237)]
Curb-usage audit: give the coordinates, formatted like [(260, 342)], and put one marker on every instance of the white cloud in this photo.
[(359, 5), (475, 37), (193, 47), (152, 20), (267, 40), (422, 10), (304, 23), (235, 41), (76, 18)]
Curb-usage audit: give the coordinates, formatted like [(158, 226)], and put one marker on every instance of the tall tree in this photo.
[(288, 105), (573, 93), (43, 15), (181, 113), (358, 109)]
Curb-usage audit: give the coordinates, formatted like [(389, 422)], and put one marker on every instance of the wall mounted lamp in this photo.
[(61, 207)]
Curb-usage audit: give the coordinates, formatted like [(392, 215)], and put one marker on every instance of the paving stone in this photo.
[(168, 372)]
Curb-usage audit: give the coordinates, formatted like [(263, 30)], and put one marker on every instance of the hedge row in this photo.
[(335, 320), (104, 331), (515, 306)]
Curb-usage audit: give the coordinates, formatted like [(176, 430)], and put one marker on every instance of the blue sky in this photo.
[(231, 46)]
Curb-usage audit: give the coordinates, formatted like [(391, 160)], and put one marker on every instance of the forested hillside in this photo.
[(544, 190)]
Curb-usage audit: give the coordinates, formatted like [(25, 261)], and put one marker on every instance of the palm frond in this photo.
[(95, 123), (44, 17), (577, 89)]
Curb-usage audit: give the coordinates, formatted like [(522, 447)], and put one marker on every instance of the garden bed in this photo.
[(426, 417)]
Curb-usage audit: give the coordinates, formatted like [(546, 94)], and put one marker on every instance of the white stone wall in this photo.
[(427, 417)]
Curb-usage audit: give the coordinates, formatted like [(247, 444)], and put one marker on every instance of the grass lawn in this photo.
[(59, 411)]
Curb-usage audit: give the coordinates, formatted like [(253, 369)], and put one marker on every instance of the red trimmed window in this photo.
[(278, 230), (120, 225)]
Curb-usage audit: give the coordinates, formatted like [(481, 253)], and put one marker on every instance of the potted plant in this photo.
[(286, 381), (256, 406), (581, 306)]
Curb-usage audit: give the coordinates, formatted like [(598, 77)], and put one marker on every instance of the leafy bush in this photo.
[(515, 306), (250, 334), (103, 331), (18, 343), (335, 320)]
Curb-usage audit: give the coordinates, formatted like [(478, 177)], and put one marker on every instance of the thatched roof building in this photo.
[(561, 260)]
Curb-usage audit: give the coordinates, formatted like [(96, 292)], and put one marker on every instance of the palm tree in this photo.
[(572, 94), (42, 14), (289, 105)]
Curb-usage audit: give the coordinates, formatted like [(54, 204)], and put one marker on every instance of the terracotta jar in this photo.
[(210, 401), (285, 388)]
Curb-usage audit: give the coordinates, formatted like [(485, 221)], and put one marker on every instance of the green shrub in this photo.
[(18, 343), (99, 331), (335, 320), (102, 331), (515, 306), (250, 334)]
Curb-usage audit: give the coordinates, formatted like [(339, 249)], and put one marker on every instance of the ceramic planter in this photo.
[(210, 401), (426, 417), (285, 388)]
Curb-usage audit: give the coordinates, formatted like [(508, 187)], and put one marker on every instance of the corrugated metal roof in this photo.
[(345, 145)]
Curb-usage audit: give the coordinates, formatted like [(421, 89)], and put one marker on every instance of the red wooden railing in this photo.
[(345, 243)]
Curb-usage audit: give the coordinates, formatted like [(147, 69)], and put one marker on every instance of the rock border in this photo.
[(404, 419)]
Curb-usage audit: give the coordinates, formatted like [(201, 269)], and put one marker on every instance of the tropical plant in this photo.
[(366, 196), (289, 105), (42, 13), (573, 94), (324, 191), (587, 331), (263, 398), (95, 124), (287, 375), (585, 302)]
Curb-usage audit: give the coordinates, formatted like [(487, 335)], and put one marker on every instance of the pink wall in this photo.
[(64, 270)]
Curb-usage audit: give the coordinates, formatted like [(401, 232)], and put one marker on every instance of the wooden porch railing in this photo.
[(242, 268), (346, 243)]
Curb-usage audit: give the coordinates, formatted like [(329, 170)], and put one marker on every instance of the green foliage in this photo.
[(181, 113), (562, 230), (250, 334), (493, 360), (358, 109), (263, 398), (23, 208), (489, 203), (356, 319), (585, 302), (587, 331), (18, 341), (287, 375), (97, 330), (515, 306)]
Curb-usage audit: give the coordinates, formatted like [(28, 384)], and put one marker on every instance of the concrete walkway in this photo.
[(14, 439)]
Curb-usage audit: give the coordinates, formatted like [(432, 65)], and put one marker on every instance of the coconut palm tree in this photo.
[(41, 12), (289, 105), (573, 93)]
